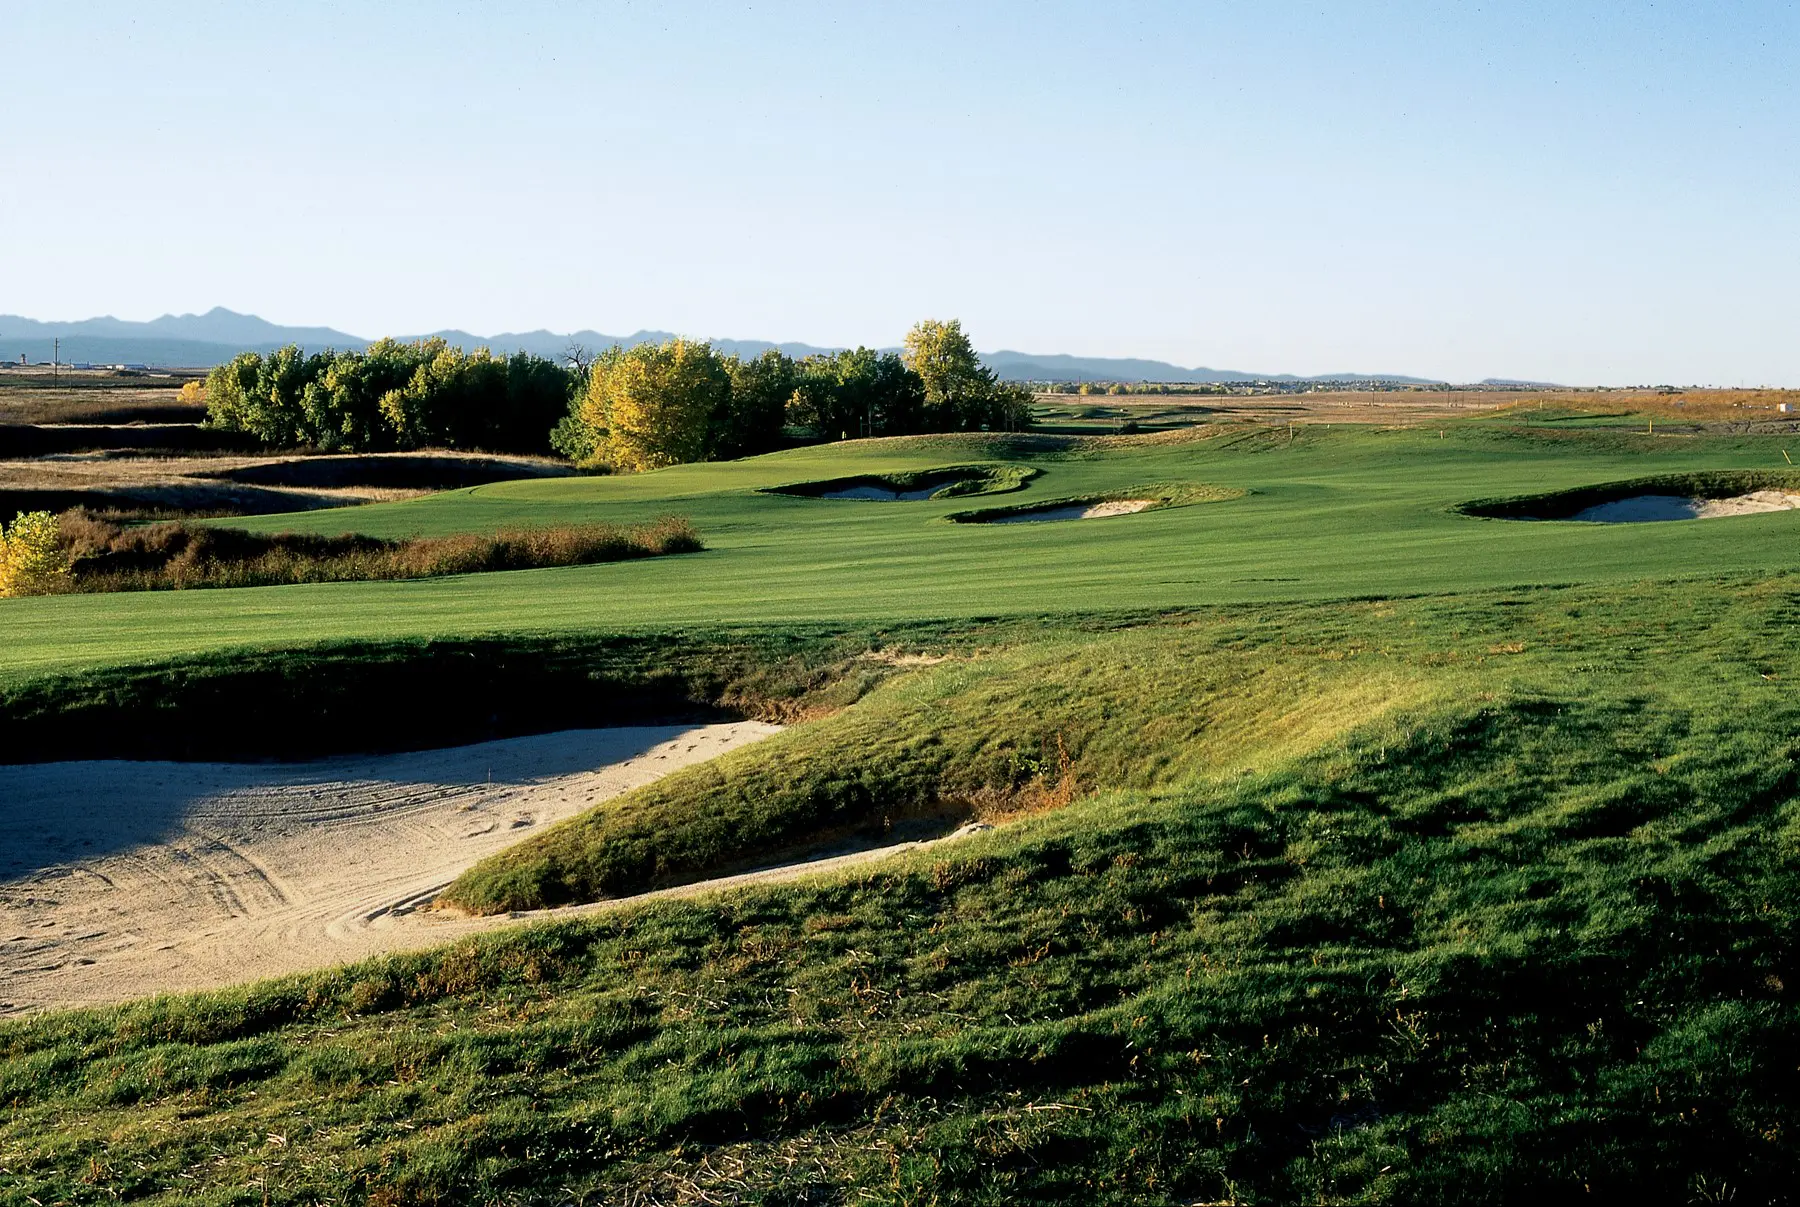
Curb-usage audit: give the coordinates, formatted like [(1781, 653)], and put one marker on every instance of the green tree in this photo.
[(756, 408), (961, 393), (391, 395), (858, 393), (264, 395)]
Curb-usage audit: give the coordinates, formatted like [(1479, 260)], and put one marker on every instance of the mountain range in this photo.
[(203, 340)]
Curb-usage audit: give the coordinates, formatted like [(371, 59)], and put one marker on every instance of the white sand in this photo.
[(120, 879), (1078, 511), (1645, 509), (882, 494)]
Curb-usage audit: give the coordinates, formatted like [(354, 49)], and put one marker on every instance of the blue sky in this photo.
[(1587, 193)]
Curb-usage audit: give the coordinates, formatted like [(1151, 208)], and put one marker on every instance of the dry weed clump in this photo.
[(104, 556)]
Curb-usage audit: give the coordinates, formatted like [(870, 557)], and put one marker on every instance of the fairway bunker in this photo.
[(1650, 509), (954, 481), (1098, 507), (1705, 496), (1074, 511), (121, 878)]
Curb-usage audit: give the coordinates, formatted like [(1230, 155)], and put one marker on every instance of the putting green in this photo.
[(1327, 513)]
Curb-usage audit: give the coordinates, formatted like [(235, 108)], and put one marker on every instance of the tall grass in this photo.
[(177, 555)]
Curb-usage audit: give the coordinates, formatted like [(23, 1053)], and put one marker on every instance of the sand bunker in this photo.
[(1076, 511), (120, 879), (881, 494), (1648, 509), (951, 481), (1703, 495)]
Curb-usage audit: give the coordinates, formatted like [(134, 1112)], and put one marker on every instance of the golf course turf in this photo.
[(1350, 847), (1329, 513)]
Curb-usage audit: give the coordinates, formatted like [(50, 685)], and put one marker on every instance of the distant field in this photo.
[(161, 483), (1729, 409), (36, 394)]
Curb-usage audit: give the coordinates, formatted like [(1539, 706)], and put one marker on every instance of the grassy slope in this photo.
[(1464, 898), (988, 733), (1333, 513), (1455, 900)]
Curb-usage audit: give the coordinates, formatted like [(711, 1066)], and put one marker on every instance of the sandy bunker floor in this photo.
[(120, 879), (1647, 509), (1077, 511)]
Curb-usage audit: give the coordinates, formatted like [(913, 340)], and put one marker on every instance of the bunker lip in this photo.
[(950, 481), (1129, 501), (1690, 496)]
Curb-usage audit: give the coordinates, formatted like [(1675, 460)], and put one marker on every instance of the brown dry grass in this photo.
[(1410, 407), (175, 556), (36, 395), (147, 486)]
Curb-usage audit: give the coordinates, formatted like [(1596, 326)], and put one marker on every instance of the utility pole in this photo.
[(55, 358)]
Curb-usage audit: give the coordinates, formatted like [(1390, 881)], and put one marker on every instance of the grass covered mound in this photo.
[(175, 555), (948, 482), (1463, 900), (1013, 719), (1562, 504)]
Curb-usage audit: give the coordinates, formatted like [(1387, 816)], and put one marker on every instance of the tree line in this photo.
[(628, 408), (392, 395)]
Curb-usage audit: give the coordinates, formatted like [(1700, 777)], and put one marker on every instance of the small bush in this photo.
[(32, 558)]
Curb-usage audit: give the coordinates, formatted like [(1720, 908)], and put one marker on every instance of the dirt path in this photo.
[(121, 879)]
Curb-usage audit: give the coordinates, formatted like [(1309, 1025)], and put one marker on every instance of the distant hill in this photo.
[(204, 340), (216, 326), (1025, 366)]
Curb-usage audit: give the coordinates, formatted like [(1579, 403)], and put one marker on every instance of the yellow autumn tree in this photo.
[(961, 393), (32, 559), (657, 403)]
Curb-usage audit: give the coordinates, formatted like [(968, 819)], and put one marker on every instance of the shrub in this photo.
[(32, 558)]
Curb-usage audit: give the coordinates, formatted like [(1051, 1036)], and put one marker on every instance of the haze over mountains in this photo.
[(202, 340)]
